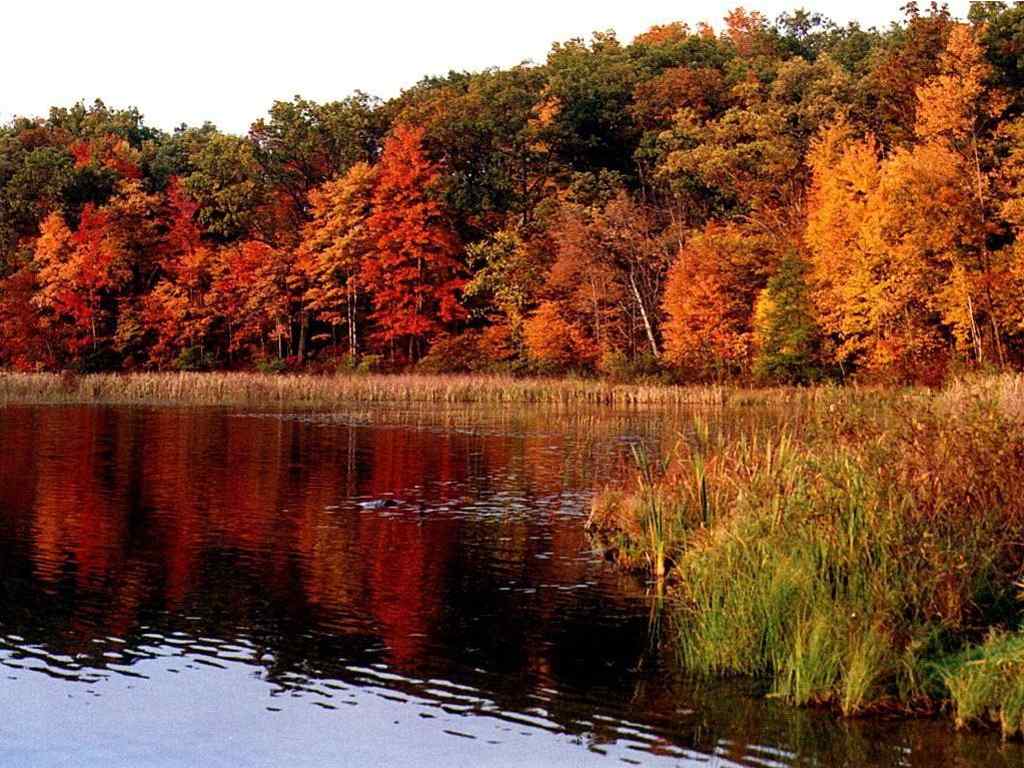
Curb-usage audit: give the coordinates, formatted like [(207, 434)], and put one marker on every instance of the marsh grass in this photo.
[(848, 554), (655, 519), (986, 683), (309, 390), (253, 389)]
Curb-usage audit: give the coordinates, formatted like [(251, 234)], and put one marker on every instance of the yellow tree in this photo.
[(1011, 189), (334, 242), (956, 114), (888, 240), (914, 233), (845, 173)]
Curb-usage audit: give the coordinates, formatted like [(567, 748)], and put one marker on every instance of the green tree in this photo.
[(786, 335)]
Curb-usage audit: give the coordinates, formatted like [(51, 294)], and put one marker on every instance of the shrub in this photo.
[(360, 364), (271, 365), (194, 359), (986, 683), (618, 367), (455, 354)]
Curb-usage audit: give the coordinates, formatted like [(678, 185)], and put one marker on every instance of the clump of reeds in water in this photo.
[(855, 558), (644, 529)]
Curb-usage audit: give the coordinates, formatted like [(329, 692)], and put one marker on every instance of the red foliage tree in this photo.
[(413, 271), (78, 272), (176, 311)]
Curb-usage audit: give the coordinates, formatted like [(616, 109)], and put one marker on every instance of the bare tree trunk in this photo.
[(303, 328), (975, 336), (643, 314), (353, 335), (597, 312)]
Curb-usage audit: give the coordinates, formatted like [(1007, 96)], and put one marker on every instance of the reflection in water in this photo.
[(373, 588)]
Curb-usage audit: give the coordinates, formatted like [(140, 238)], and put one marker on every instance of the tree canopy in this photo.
[(772, 200)]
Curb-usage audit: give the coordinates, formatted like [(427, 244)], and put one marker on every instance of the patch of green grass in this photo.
[(986, 683), (846, 555)]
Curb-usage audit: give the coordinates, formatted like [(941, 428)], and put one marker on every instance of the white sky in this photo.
[(227, 60)]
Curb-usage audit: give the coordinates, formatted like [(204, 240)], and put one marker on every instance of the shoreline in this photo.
[(315, 390)]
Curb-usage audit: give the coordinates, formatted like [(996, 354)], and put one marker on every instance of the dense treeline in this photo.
[(777, 201)]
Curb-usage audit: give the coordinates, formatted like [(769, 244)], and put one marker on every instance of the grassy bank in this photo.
[(250, 389), (866, 556)]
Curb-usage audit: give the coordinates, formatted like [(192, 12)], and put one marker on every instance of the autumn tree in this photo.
[(31, 339), (35, 171), (881, 252), (330, 257), (176, 312), (846, 173), (509, 271), (413, 271), (750, 33), (709, 302), (885, 102), (302, 144), (769, 200), (82, 273), (485, 130), (786, 338), (554, 342), (700, 89), (249, 292), (901, 244), (748, 164), (957, 113), (77, 270), (610, 259)]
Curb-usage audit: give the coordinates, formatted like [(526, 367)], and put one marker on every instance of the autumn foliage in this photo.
[(783, 200), (413, 271)]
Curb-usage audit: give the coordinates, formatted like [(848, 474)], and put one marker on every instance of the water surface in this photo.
[(377, 587)]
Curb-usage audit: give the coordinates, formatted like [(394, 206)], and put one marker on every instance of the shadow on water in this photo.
[(368, 588)]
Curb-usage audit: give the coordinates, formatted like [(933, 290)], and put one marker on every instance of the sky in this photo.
[(227, 61)]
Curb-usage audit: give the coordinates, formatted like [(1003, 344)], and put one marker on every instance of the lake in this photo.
[(375, 587)]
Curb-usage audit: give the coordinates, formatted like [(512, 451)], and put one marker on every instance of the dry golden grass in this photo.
[(251, 389), (296, 390)]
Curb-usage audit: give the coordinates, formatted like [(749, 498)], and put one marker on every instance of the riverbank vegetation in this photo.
[(782, 201), (259, 389), (867, 555)]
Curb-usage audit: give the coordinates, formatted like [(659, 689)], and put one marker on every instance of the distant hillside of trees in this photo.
[(775, 201)]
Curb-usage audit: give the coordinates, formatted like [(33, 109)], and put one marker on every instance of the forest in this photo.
[(768, 201)]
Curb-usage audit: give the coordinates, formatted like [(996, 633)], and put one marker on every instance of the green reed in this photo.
[(849, 555)]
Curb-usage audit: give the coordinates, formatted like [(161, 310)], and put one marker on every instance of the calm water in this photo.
[(374, 588)]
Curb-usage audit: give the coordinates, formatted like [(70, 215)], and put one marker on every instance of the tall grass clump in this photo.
[(846, 556), (986, 683)]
